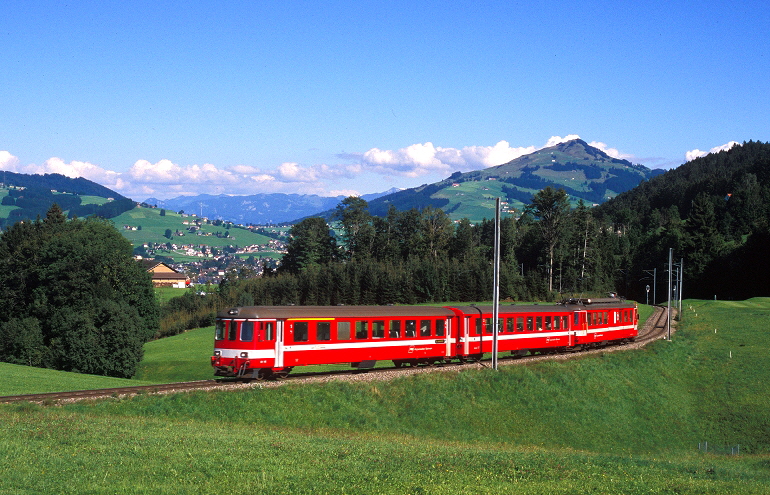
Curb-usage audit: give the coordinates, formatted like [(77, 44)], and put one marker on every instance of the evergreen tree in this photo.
[(358, 232), (550, 206), (87, 305), (311, 243)]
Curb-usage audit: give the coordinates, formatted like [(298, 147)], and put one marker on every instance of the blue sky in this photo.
[(160, 99)]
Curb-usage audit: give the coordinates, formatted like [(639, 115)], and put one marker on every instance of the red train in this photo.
[(268, 341)]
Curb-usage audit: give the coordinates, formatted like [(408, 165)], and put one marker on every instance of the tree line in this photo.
[(712, 211), (420, 256)]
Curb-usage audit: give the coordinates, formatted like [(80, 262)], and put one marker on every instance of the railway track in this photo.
[(654, 328), (114, 392)]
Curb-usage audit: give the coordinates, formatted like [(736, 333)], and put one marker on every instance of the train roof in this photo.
[(284, 312), (513, 308)]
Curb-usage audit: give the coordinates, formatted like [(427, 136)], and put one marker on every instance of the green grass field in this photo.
[(621, 422), (154, 227)]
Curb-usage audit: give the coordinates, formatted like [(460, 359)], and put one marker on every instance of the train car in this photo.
[(573, 325), (268, 341)]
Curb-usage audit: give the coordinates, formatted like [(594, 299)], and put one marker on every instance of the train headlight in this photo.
[(244, 355), (217, 353)]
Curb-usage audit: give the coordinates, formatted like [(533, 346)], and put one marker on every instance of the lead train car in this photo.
[(268, 341)]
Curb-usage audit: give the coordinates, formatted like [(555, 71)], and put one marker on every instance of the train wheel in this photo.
[(398, 363), (280, 375)]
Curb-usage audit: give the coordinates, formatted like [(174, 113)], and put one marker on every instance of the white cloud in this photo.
[(8, 162), (613, 152), (425, 158), (293, 172), (164, 178), (558, 140), (696, 153)]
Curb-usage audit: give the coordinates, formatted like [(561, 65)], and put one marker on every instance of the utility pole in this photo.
[(681, 282), (670, 274), (496, 288)]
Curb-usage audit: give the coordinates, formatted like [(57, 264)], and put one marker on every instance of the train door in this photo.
[(580, 323), (465, 336), (476, 332), (279, 339), (448, 337)]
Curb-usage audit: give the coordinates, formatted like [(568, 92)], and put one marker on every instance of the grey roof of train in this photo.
[(282, 312)]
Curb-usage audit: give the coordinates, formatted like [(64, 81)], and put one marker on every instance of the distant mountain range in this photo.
[(583, 171), (257, 209)]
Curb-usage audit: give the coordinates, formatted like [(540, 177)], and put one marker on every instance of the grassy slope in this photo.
[(18, 380), (154, 227), (625, 422), (183, 357)]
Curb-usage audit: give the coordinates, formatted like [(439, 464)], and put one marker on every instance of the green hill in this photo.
[(583, 171), (26, 197), (150, 225)]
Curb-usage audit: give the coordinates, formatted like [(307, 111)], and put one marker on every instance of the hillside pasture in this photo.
[(20, 380), (154, 226), (613, 422)]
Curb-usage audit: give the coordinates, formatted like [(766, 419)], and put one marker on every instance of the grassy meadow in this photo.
[(615, 422), (154, 227)]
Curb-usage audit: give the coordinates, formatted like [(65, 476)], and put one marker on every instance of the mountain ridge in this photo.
[(583, 171)]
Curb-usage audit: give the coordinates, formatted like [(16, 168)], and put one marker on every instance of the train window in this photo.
[(520, 324), (219, 333), (440, 328), (300, 331), (395, 329), (548, 323), (361, 331), (411, 328), (247, 331), (267, 328), (424, 328), (378, 329), (509, 325), (343, 330), (557, 322), (487, 325), (530, 324), (539, 323), (324, 330), (478, 326), (232, 333)]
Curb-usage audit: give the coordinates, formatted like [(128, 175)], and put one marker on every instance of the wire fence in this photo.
[(711, 448)]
